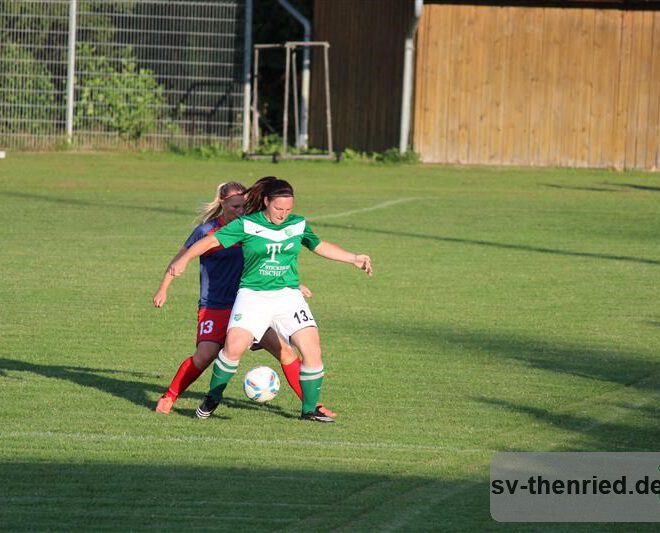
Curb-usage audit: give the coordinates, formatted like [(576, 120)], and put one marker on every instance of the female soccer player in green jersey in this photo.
[(219, 277), (272, 237)]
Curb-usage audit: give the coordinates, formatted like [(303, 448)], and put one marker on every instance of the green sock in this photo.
[(310, 383), (223, 370)]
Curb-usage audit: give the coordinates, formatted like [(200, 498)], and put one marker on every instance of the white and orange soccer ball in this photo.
[(261, 384)]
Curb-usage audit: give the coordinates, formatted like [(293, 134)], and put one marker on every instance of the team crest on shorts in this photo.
[(238, 316)]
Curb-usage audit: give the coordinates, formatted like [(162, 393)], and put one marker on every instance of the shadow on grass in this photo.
[(88, 203), (622, 430), (438, 238), (624, 368), (491, 244), (137, 392), (69, 497), (636, 186), (613, 187), (612, 434), (573, 188), (103, 379), (246, 405)]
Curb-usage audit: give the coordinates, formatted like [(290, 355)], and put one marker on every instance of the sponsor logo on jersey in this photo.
[(252, 228), (271, 267), (273, 248)]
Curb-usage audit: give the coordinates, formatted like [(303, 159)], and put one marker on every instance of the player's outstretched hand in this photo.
[(160, 298), (305, 291), (363, 262)]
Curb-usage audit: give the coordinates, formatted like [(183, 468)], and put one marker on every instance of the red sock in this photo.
[(292, 374), (186, 374)]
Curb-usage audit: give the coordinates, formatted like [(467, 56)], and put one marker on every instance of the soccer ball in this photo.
[(261, 384)]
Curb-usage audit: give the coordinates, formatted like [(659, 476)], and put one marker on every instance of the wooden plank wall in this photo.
[(538, 86), (366, 68)]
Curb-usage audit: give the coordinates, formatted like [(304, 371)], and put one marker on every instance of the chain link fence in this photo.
[(147, 73)]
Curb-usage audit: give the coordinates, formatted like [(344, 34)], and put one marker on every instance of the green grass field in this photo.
[(511, 309)]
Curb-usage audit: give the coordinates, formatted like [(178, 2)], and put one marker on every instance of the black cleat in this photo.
[(316, 416), (206, 408)]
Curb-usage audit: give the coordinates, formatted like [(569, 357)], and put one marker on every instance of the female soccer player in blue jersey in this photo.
[(272, 238), (220, 272)]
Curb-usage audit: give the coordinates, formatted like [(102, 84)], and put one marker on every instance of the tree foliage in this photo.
[(26, 92), (120, 98)]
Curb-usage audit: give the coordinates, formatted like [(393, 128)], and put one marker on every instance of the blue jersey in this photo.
[(219, 269)]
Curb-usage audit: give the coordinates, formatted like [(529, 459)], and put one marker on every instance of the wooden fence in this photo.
[(366, 68), (538, 86)]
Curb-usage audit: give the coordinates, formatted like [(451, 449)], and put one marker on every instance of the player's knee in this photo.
[(234, 350), (312, 358), (203, 360), (206, 352)]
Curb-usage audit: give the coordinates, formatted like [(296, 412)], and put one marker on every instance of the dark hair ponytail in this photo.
[(268, 187)]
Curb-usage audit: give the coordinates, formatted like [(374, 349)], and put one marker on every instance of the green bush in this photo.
[(355, 155), (207, 151), (269, 144), (389, 156), (27, 94), (392, 155), (119, 97)]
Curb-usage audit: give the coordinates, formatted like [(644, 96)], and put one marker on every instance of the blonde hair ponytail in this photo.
[(213, 209)]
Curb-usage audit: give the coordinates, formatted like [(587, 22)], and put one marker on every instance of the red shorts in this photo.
[(212, 325)]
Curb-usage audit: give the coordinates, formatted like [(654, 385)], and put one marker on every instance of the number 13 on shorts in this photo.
[(205, 327), (212, 324), (303, 316)]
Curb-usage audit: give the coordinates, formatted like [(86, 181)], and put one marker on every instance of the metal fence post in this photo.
[(328, 114), (285, 118), (247, 50), (71, 70)]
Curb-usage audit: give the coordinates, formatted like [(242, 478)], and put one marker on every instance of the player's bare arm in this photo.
[(160, 297), (178, 266), (337, 253)]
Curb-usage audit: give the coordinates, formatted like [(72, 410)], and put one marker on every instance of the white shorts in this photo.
[(285, 310)]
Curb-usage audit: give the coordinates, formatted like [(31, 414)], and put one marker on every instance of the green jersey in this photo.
[(270, 251)]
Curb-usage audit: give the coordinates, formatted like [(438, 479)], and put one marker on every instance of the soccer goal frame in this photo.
[(290, 86)]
